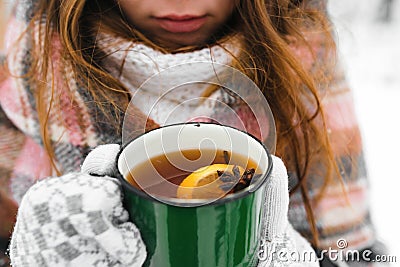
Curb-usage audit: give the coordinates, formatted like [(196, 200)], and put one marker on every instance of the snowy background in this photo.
[(370, 51)]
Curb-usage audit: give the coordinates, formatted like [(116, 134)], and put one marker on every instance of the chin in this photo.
[(178, 42)]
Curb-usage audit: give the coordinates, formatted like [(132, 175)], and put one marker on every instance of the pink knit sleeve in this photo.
[(342, 211), (11, 142), (22, 161)]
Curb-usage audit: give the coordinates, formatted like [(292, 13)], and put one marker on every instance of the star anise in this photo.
[(235, 182)]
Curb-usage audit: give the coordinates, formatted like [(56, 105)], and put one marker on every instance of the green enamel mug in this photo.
[(220, 231)]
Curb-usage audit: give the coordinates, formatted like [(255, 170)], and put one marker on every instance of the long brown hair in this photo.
[(270, 30)]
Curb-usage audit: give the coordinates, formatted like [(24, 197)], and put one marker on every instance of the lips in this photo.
[(181, 24)]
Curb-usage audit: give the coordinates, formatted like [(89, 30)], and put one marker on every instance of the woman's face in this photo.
[(177, 23)]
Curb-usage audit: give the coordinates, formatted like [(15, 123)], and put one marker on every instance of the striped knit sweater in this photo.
[(82, 127)]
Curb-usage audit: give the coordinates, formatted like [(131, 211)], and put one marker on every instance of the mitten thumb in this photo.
[(101, 161)]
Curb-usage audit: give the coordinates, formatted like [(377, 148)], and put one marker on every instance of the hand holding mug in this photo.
[(77, 220), (66, 219)]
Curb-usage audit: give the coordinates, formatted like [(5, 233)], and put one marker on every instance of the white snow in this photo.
[(370, 50)]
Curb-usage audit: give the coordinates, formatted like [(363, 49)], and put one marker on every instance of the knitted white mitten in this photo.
[(77, 220), (281, 244)]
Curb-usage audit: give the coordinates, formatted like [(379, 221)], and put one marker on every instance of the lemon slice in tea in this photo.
[(208, 182)]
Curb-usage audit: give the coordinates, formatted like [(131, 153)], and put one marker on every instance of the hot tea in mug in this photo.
[(200, 184), (199, 174)]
